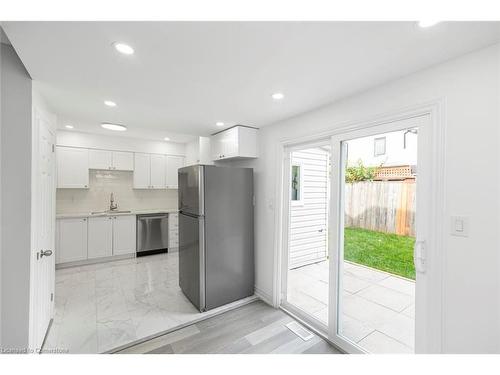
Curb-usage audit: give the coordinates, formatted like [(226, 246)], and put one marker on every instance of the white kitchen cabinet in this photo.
[(173, 163), (72, 168), (173, 231), (237, 142), (111, 160), (124, 240), (100, 159), (149, 171), (142, 171), (123, 161), (100, 237), (198, 152), (157, 171), (71, 240)]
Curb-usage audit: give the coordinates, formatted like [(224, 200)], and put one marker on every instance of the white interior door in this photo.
[(43, 257), (344, 300)]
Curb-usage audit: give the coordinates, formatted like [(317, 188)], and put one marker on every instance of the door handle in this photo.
[(419, 256), (46, 253)]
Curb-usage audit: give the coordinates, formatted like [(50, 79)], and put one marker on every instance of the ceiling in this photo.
[(186, 76)]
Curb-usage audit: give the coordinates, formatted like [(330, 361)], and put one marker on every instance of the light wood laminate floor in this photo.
[(253, 328)]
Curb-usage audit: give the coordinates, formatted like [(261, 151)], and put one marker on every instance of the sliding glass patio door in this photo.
[(360, 258), (379, 225)]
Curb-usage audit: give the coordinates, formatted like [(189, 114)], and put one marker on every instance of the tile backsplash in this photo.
[(102, 184)]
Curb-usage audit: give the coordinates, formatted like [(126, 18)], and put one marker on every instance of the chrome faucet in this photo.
[(112, 205)]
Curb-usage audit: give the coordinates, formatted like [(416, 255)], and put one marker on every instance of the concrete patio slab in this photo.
[(378, 309), (379, 343)]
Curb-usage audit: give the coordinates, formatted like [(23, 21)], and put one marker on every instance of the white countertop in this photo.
[(132, 212)]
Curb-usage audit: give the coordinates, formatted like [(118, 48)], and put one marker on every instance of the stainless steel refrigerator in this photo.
[(216, 234)]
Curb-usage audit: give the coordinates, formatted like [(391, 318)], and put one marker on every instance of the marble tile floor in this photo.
[(378, 308), (104, 306)]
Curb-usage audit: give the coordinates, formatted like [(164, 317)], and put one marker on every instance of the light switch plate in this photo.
[(459, 226)]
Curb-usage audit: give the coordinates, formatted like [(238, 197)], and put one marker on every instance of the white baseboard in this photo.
[(264, 296)]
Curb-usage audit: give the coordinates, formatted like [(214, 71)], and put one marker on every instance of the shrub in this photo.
[(360, 173)]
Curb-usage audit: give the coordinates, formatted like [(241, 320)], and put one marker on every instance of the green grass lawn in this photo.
[(383, 251)]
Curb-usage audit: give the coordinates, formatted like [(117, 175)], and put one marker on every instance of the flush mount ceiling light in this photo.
[(69, 126), (277, 96), (219, 123), (427, 23), (123, 48), (166, 139), (115, 127), (110, 103)]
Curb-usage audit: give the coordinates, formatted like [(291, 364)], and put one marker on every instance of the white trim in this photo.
[(436, 111), (263, 296)]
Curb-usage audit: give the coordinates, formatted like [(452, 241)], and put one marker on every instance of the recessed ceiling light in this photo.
[(116, 127), (69, 126), (219, 123), (110, 103), (123, 48), (166, 139), (278, 96), (427, 23)]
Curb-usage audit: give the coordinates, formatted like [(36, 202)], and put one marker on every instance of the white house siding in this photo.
[(308, 219)]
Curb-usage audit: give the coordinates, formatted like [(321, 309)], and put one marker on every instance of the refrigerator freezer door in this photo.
[(191, 190), (229, 235), (191, 259)]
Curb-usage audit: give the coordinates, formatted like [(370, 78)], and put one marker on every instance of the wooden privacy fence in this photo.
[(383, 206)]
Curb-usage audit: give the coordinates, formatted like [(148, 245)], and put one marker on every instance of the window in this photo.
[(296, 183), (379, 146)]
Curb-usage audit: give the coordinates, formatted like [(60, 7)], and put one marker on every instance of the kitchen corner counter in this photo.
[(132, 212)]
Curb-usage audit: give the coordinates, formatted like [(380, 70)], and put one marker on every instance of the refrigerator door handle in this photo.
[(202, 263)]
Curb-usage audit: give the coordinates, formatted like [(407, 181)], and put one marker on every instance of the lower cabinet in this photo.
[(71, 240), (173, 231), (100, 242), (80, 239), (124, 241)]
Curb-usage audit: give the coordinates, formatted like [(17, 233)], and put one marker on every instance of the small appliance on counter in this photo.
[(216, 234), (152, 234)]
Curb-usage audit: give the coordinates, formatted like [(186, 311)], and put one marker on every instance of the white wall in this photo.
[(117, 143), (16, 103), (469, 87)]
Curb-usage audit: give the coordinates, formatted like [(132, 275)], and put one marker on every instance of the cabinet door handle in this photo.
[(85, 219)]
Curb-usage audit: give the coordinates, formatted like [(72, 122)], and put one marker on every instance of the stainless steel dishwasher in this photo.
[(152, 234)]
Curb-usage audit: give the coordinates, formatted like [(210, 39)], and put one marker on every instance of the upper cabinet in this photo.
[(173, 163), (72, 168), (157, 171), (111, 160), (234, 143), (149, 171), (123, 161)]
